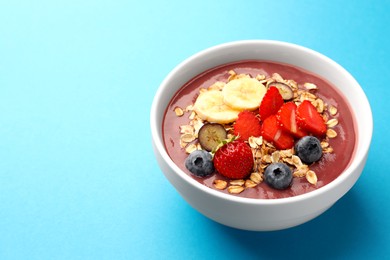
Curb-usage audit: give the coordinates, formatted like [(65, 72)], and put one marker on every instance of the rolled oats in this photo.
[(311, 177), (237, 182), (192, 115), (308, 96), (324, 144), (301, 171), (330, 133), (332, 122), (293, 84), (310, 86), (275, 157), (250, 184), (187, 138), (220, 184), (277, 77), (179, 111), (183, 144), (332, 110), (187, 129), (235, 189), (189, 108), (286, 153), (320, 105), (197, 123), (325, 117), (257, 153), (296, 160), (260, 77), (267, 158), (256, 177), (288, 160), (190, 148), (255, 142)]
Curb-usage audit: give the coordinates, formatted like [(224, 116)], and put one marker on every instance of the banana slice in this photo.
[(210, 106), (243, 93)]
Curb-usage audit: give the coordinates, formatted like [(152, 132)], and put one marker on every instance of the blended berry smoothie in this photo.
[(327, 169)]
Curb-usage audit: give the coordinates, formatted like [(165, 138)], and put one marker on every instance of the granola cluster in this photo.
[(264, 153)]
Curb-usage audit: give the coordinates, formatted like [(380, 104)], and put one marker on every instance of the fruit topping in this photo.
[(234, 160), (210, 107), (287, 119), (309, 119), (247, 125), (308, 149), (274, 133), (278, 176), (284, 90), (200, 163), (248, 132), (270, 103), (243, 93), (211, 135)]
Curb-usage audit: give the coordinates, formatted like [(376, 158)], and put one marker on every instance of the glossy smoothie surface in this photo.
[(328, 168)]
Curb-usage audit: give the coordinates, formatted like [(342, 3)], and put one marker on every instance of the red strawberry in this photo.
[(247, 125), (309, 119), (274, 133), (234, 160), (270, 103), (287, 119)]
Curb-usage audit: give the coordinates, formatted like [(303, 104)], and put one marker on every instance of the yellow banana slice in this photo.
[(243, 93), (210, 106)]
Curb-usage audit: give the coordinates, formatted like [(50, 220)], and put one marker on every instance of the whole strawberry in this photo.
[(234, 160)]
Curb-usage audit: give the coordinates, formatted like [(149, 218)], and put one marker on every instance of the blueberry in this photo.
[(308, 149), (200, 163), (278, 176)]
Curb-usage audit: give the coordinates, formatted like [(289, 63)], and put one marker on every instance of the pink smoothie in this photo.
[(328, 168)]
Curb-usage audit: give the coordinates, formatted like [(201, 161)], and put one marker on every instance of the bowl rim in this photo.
[(353, 165)]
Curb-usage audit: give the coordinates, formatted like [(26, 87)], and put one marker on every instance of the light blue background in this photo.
[(78, 178)]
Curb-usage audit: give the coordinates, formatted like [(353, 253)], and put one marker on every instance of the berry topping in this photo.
[(200, 163), (270, 103), (309, 119), (287, 119), (284, 90), (274, 133), (211, 135), (247, 125), (234, 160), (278, 176), (308, 149)]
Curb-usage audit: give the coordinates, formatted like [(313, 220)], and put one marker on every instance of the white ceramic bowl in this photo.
[(262, 214)]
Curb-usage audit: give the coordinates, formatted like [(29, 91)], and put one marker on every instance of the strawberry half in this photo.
[(274, 133), (247, 125), (309, 119), (234, 160), (287, 119), (270, 103)]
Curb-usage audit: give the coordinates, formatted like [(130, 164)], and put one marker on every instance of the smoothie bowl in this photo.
[(261, 135)]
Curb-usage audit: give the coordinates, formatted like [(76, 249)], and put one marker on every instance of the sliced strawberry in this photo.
[(274, 133), (270, 103), (247, 125), (309, 119), (287, 119)]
